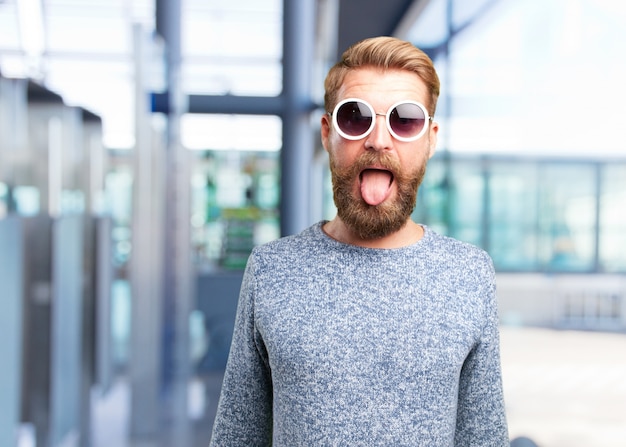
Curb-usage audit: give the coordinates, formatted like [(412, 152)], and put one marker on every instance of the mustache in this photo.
[(382, 160)]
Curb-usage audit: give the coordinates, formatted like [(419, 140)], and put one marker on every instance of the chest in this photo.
[(351, 326)]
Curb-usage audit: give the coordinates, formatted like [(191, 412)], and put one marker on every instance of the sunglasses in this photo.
[(354, 119)]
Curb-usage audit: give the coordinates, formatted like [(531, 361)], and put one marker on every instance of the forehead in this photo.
[(383, 87)]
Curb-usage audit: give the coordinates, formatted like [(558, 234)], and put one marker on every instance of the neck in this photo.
[(409, 234)]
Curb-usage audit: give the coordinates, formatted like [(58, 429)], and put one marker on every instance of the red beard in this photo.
[(373, 222)]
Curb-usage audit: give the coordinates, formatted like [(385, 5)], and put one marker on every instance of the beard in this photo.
[(375, 221)]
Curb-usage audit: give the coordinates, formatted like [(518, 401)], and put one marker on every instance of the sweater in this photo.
[(340, 345)]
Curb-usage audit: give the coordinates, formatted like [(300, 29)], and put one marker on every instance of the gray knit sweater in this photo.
[(338, 345)]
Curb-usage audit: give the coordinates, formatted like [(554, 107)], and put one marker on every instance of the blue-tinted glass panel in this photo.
[(432, 201), (232, 47), (612, 250), (512, 215), (235, 201), (467, 196), (567, 217)]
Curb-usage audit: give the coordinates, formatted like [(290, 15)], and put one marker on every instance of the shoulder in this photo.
[(288, 263), (445, 250), (309, 237), (292, 249), (466, 272)]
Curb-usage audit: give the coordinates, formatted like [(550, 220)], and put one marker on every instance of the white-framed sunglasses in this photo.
[(354, 119)]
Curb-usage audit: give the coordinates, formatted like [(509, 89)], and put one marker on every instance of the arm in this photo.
[(244, 415), (481, 418)]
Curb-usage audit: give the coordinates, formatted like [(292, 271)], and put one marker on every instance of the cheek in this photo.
[(335, 140), (342, 151)]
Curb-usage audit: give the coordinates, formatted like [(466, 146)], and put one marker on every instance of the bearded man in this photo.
[(369, 329)]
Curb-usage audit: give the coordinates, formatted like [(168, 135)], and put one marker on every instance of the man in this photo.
[(368, 330)]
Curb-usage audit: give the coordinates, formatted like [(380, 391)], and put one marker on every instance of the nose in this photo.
[(379, 139)]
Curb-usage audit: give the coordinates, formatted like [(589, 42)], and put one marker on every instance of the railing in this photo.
[(592, 309)]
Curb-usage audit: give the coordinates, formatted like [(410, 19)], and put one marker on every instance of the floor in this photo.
[(565, 388), (111, 416), (562, 389)]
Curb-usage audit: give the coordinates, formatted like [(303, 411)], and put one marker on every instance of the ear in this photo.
[(432, 138), (325, 130)]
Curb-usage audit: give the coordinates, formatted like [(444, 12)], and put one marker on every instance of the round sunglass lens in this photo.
[(354, 118), (407, 120)]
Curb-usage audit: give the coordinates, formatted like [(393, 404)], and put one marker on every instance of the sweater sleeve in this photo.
[(481, 419), (244, 414)]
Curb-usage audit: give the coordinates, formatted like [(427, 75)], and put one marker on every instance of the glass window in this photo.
[(119, 197), (513, 192), (235, 201), (232, 47), (613, 219), (567, 217), (530, 215), (515, 75), (467, 201), (432, 201)]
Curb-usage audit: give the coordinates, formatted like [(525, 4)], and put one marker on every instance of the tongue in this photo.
[(375, 186)]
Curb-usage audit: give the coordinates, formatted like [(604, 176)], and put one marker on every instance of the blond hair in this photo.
[(384, 53)]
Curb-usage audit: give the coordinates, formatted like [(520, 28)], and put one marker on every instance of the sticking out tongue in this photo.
[(375, 186)]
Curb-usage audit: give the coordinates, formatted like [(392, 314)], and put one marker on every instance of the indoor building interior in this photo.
[(146, 146)]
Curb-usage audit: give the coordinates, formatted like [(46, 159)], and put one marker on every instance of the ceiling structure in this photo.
[(83, 49), (359, 19)]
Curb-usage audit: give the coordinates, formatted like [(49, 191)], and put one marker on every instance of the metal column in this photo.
[(297, 150), (145, 263), (177, 267), (11, 346)]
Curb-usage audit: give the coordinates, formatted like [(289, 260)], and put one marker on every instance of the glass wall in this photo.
[(235, 199), (535, 77), (531, 215), (513, 214), (567, 217), (612, 234), (232, 47)]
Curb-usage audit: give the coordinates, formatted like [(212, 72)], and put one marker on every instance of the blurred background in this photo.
[(146, 146)]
